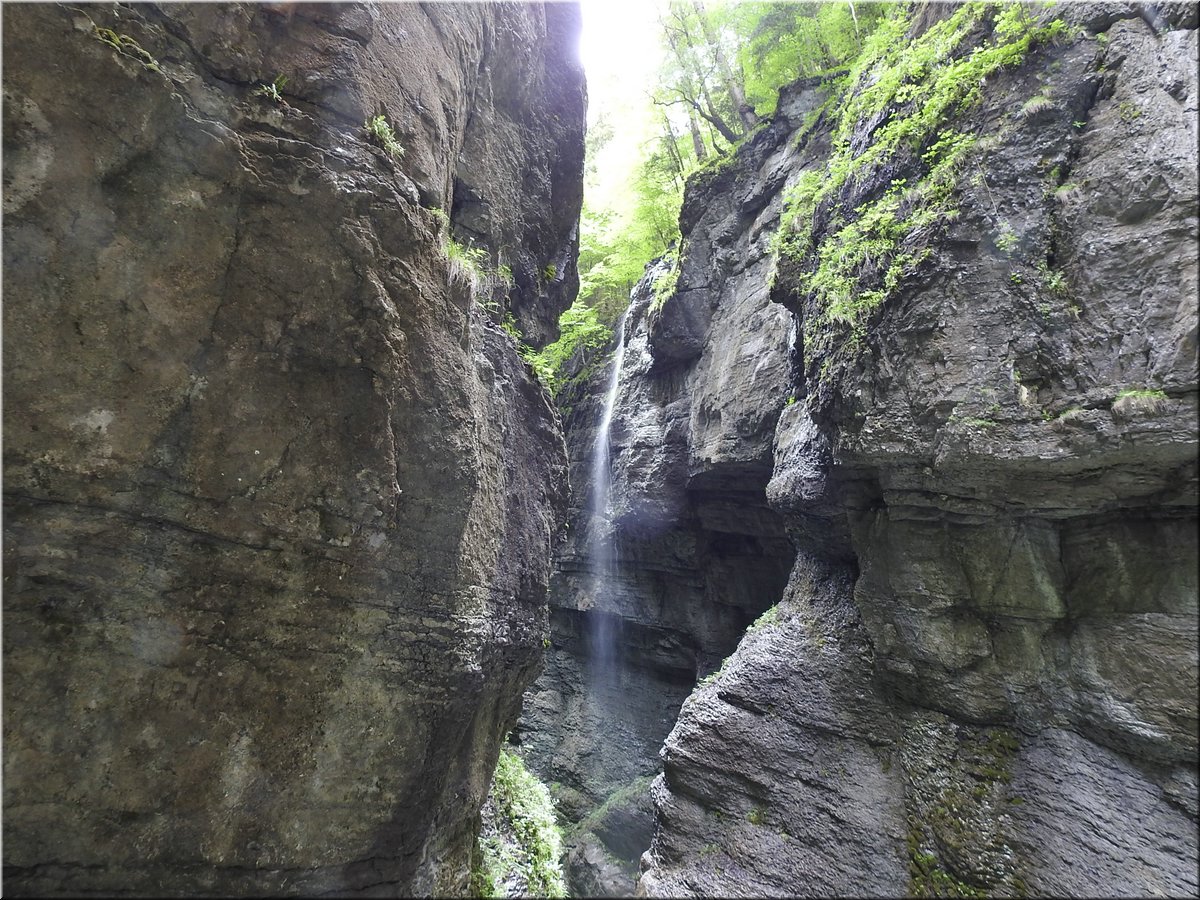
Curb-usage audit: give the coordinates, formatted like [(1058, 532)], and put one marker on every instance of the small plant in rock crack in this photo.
[(1007, 239), (379, 132), (1128, 110), (1035, 105), (122, 43), (271, 90)]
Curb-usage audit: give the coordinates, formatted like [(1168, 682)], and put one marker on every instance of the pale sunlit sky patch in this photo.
[(620, 50)]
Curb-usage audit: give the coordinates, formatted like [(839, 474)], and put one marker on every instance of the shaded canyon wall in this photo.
[(983, 673), (279, 493)]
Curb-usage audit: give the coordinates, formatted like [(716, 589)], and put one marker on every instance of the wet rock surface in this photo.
[(988, 643), (279, 497), (697, 552)]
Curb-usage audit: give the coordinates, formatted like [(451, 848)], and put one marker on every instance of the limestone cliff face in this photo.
[(981, 675), (279, 495)]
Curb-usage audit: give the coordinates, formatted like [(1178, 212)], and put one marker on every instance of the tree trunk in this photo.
[(710, 114), (714, 119), (673, 147), (744, 110), (697, 140)]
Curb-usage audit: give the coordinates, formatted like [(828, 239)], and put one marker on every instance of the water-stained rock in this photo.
[(279, 496)]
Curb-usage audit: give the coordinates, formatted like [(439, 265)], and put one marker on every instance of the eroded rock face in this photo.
[(983, 672), (279, 496), (697, 552)]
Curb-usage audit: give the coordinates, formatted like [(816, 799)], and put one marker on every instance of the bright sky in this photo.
[(619, 48)]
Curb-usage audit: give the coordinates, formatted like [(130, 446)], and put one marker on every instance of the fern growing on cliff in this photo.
[(851, 257), (379, 132)]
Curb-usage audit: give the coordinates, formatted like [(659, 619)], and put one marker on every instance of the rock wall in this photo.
[(279, 494), (982, 675), (698, 553)]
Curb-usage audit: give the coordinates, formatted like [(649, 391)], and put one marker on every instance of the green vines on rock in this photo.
[(851, 250), (665, 286)]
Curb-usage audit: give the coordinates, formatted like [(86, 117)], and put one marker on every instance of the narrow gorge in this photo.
[(853, 552)]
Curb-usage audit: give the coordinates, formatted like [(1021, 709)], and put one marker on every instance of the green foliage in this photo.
[(713, 676), (1135, 402), (527, 816), (473, 264), (851, 259), (770, 617), (1054, 280), (617, 243), (780, 42), (1035, 105), (379, 132), (621, 797), (473, 260), (580, 329), (665, 286), (550, 272), (271, 90), (756, 816), (510, 327), (124, 44), (1007, 239), (1142, 393)]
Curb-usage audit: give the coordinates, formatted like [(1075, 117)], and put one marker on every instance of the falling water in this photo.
[(600, 514), (600, 457)]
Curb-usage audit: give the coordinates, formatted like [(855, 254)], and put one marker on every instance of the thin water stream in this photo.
[(603, 621)]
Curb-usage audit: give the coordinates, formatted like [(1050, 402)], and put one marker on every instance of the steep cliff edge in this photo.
[(982, 676), (279, 493)]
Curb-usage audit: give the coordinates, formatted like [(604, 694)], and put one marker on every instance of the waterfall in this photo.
[(601, 464), (600, 517)]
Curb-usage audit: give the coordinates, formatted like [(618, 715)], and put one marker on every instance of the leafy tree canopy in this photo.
[(719, 70)]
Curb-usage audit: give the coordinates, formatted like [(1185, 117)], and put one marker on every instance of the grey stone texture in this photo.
[(279, 495), (983, 673)]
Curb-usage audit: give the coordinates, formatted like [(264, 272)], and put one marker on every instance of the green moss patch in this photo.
[(853, 232), (520, 842)]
